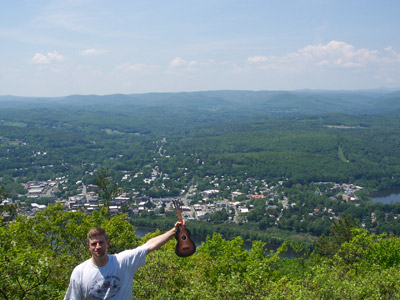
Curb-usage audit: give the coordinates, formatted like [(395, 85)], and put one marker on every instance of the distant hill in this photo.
[(231, 101)]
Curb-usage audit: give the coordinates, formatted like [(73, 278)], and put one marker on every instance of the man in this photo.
[(105, 276)]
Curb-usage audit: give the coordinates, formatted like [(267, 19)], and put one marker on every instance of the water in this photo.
[(387, 197), (142, 231)]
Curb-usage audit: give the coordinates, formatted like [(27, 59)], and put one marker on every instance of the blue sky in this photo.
[(59, 48)]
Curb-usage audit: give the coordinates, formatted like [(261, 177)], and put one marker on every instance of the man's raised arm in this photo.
[(156, 242)]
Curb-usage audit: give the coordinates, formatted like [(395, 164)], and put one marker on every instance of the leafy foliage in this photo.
[(38, 254), (340, 232)]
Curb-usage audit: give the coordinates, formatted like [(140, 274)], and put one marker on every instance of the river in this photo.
[(290, 253), (386, 197)]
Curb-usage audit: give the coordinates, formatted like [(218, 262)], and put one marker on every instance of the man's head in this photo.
[(97, 242)]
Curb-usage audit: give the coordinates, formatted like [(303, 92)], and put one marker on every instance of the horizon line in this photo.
[(382, 89)]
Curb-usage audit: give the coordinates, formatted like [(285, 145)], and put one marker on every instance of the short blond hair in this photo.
[(96, 232)]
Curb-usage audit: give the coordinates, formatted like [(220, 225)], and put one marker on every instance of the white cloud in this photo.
[(392, 55), (179, 62), (48, 58), (92, 52), (336, 53), (333, 54)]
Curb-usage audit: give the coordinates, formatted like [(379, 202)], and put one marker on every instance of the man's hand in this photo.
[(180, 225), (156, 242)]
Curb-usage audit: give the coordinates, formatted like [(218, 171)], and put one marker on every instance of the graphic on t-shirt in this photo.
[(105, 288)]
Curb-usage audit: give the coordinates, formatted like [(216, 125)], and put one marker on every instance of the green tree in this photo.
[(219, 216), (7, 211), (108, 188), (339, 232), (3, 194)]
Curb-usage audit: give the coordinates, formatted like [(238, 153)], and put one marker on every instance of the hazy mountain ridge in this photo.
[(249, 102)]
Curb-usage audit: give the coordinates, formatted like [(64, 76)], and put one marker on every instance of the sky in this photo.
[(51, 48)]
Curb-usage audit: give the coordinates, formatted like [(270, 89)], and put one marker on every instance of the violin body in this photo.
[(184, 246)]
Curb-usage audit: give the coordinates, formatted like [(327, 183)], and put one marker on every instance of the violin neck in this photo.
[(179, 215)]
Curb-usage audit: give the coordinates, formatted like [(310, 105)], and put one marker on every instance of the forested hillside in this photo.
[(302, 136)]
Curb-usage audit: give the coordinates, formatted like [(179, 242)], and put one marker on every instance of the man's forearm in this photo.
[(156, 242)]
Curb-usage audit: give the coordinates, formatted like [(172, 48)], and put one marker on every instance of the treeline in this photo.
[(348, 263)]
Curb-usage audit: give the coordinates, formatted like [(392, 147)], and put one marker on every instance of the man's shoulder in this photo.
[(82, 265), (141, 250)]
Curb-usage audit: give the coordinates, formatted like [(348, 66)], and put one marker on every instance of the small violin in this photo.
[(184, 246)]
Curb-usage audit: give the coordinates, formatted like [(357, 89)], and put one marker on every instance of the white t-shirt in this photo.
[(112, 281)]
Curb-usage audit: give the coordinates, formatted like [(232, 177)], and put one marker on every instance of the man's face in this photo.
[(98, 246)]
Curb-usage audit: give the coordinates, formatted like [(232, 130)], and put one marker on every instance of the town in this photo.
[(196, 204)]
